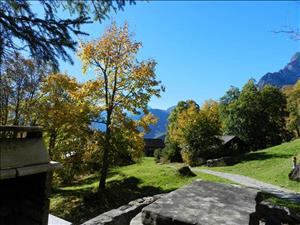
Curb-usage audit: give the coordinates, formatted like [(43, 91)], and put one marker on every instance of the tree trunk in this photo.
[(106, 151), (52, 142), (2, 113), (297, 131), (16, 119)]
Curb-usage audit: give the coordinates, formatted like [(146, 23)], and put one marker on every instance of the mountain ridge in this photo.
[(289, 75)]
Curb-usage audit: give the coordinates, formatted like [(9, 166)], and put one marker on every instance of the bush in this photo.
[(192, 159), (171, 153), (157, 155), (186, 171)]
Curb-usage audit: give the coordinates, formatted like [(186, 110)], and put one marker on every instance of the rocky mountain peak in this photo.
[(289, 75)]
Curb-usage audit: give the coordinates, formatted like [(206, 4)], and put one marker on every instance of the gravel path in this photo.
[(252, 183)]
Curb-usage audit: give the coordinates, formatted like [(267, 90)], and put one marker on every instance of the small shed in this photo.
[(232, 145), (151, 144)]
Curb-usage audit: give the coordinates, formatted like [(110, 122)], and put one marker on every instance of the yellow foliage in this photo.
[(122, 85)]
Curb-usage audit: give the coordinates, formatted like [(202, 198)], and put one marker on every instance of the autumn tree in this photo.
[(41, 30), (122, 85), (172, 150), (65, 116), (195, 130), (293, 105), (173, 125), (58, 107), (21, 79), (211, 109)]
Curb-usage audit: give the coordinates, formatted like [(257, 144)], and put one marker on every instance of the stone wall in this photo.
[(223, 161), (270, 214), (123, 214)]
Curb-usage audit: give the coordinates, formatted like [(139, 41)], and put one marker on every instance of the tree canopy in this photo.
[(194, 130), (45, 33), (256, 116), (293, 105), (122, 85), (21, 79)]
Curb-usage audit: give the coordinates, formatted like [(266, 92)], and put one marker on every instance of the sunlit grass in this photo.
[(81, 201), (271, 165)]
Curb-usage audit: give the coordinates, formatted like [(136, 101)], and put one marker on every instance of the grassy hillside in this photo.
[(271, 165), (81, 201)]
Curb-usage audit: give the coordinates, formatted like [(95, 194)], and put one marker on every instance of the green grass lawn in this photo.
[(274, 200), (271, 165), (81, 201)]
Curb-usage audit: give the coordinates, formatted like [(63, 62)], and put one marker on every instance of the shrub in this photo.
[(186, 171), (157, 155), (171, 153)]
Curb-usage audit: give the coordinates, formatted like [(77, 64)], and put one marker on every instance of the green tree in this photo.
[(256, 116), (231, 95), (122, 85), (274, 106)]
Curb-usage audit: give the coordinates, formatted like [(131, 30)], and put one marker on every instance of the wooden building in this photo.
[(232, 145), (151, 144)]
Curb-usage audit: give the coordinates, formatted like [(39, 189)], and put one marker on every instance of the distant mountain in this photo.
[(157, 130), (289, 75), (160, 128)]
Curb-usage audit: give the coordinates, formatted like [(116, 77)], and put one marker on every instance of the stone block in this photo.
[(273, 214), (223, 161), (202, 203), (186, 171), (21, 152), (124, 214)]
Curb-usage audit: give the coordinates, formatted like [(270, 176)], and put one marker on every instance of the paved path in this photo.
[(252, 183)]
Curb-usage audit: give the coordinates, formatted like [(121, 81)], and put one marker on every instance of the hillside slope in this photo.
[(271, 165)]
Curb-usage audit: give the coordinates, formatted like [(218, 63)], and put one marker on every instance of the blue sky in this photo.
[(204, 47)]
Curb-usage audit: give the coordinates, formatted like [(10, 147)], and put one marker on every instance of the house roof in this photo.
[(154, 142), (227, 138), (162, 137)]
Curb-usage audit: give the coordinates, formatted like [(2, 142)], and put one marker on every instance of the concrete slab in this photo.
[(47, 167), (7, 174), (137, 220), (202, 203), (53, 220), (21, 152)]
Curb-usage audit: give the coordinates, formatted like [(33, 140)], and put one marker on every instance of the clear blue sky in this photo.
[(204, 47)]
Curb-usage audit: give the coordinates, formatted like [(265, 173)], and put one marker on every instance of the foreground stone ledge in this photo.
[(54, 220), (202, 203), (29, 170), (271, 214), (123, 214)]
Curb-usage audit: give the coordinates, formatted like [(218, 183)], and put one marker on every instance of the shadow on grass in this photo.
[(254, 156), (88, 180), (81, 205)]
